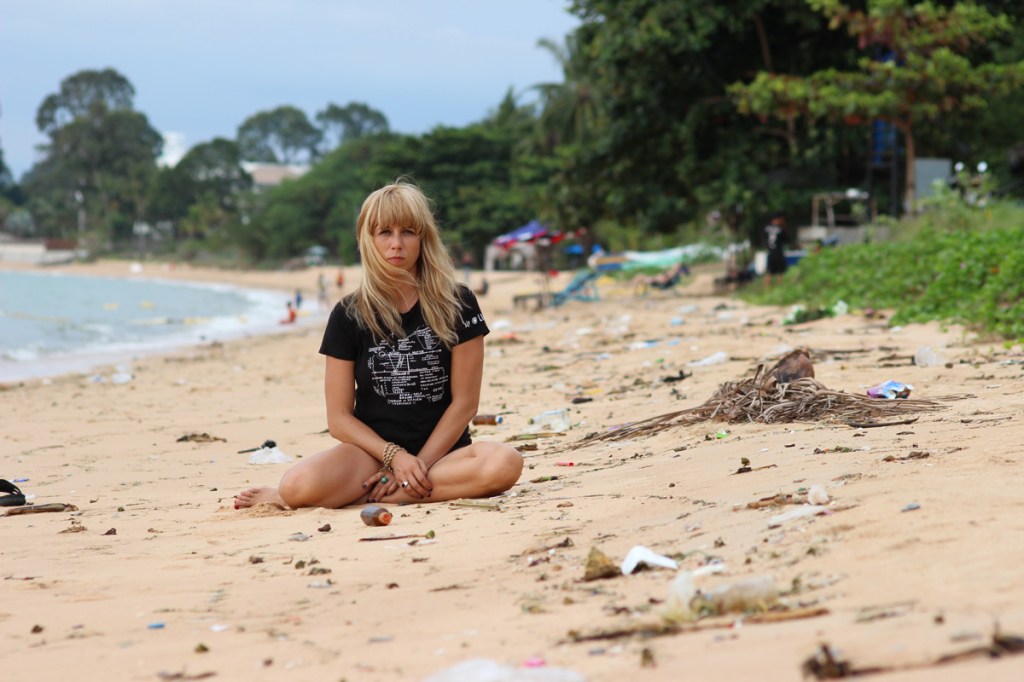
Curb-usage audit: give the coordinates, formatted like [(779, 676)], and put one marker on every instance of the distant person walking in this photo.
[(321, 292)]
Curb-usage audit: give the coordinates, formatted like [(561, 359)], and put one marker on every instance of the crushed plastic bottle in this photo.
[(550, 420), (487, 419), (926, 357), (750, 594), (713, 359)]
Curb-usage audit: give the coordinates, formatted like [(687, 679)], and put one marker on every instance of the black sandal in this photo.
[(13, 498)]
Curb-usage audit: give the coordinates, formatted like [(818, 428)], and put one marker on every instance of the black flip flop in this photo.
[(13, 498)]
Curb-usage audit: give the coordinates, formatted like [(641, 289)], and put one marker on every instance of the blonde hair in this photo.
[(374, 305)]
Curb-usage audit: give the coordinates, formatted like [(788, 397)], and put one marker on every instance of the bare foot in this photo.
[(253, 496)]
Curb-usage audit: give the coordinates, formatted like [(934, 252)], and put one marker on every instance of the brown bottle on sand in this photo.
[(487, 419), (375, 516)]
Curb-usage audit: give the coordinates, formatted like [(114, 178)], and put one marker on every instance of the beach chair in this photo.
[(665, 281), (582, 287)]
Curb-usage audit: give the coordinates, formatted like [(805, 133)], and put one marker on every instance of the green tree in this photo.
[(98, 162), (210, 173), (81, 94), (281, 135), (667, 144), (925, 73), (568, 108), (350, 122)]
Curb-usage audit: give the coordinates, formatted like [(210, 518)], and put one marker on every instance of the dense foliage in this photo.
[(969, 271), (643, 139)]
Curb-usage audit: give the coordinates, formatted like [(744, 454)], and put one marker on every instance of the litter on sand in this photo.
[(767, 399)]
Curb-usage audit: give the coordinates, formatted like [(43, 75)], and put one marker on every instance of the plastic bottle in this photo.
[(375, 516), (487, 419), (749, 594), (551, 420)]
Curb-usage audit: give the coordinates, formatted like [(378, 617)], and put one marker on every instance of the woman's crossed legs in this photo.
[(335, 477)]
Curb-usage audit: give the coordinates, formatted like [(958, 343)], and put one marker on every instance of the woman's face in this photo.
[(399, 246)]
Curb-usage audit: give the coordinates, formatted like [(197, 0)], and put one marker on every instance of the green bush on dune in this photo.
[(975, 278)]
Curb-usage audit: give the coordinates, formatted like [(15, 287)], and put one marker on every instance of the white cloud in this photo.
[(174, 149)]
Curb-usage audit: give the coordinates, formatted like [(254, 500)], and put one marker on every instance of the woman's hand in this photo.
[(411, 475), (381, 484)]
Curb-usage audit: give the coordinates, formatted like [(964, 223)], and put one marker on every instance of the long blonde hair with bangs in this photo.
[(375, 303)]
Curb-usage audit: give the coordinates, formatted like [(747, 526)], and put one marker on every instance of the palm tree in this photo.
[(568, 109)]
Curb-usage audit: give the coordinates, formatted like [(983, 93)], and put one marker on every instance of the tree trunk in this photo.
[(910, 180)]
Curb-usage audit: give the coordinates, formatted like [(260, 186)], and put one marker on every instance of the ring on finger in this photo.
[(405, 484), (383, 479)]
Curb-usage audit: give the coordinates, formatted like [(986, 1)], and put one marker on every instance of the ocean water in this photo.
[(52, 323)]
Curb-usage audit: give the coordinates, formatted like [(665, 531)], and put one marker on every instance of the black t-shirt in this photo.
[(403, 386)]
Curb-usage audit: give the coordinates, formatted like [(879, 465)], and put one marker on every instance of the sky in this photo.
[(201, 67)]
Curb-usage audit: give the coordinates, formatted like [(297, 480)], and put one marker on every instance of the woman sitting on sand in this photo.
[(405, 356)]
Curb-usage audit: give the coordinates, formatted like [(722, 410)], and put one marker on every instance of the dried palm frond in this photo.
[(763, 398)]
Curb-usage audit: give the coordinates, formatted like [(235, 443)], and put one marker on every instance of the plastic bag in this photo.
[(269, 456)]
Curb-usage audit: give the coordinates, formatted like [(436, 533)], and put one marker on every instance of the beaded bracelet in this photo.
[(390, 450)]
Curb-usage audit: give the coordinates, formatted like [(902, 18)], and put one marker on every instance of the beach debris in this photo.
[(550, 420), (565, 464), (429, 535), (375, 516), (486, 669), (640, 556), (870, 425), (41, 508), (326, 528), (755, 593), (890, 390), (155, 626), (718, 358), (185, 676), (776, 501), (13, 496), (817, 495), (543, 479), (794, 365), (913, 506), (487, 419), (599, 566), (762, 398), (647, 658), (298, 537), (266, 444), (802, 512), (672, 378), (926, 357), (828, 663), (915, 454), (36, 629), (267, 455), (200, 438), (490, 505), (112, 531), (201, 648), (75, 527)]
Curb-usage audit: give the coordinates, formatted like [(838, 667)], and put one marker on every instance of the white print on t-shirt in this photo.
[(409, 372)]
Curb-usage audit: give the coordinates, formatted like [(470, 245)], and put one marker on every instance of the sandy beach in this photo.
[(914, 560)]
